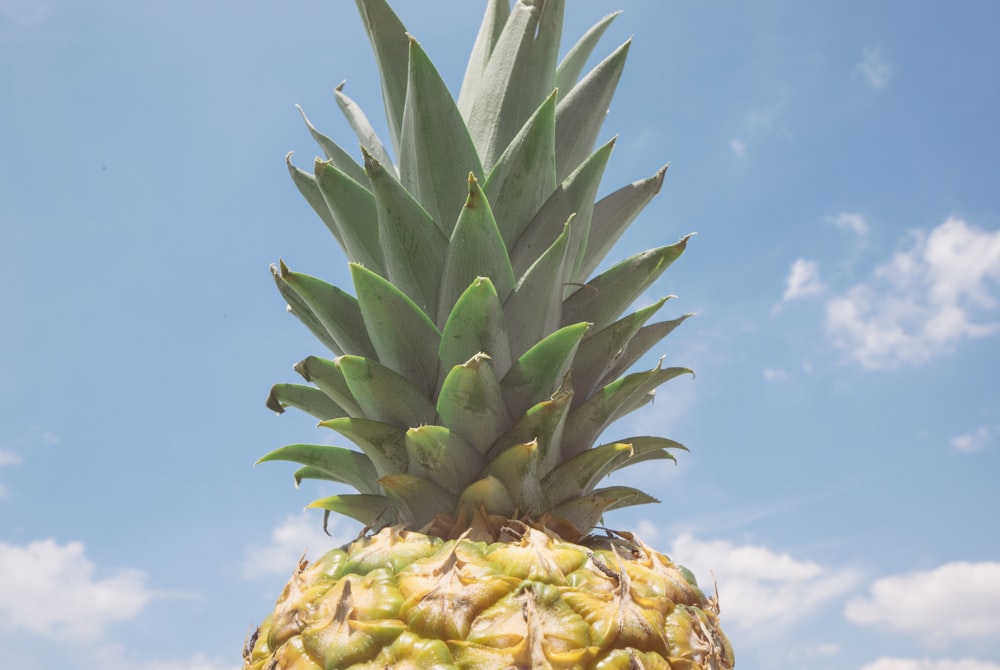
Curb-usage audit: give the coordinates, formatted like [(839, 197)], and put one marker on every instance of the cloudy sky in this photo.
[(837, 160)]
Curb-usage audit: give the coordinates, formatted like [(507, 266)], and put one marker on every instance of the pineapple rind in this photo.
[(531, 601)]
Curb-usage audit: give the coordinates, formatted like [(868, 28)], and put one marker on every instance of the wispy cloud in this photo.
[(922, 302), (758, 586), (851, 222), (973, 441), (775, 374), (874, 68), (957, 601), (803, 280), (289, 540), (738, 146), (52, 590)]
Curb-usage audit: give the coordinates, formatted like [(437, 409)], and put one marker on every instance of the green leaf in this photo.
[(335, 154), (568, 72), (524, 177), (586, 422), (306, 183), (538, 373), (391, 46), (580, 474), (544, 424), (366, 508), (383, 444), (610, 293), (310, 400), (417, 499), (487, 494), (346, 466), (327, 376), (404, 338), (436, 152), (497, 13), (476, 324), (362, 127), (519, 75), (353, 209), (413, 246), (535, 307), (517, 467), (586, 511), (581, 111), (599, 352), (574, 197), (336, 311), (301, 310), (471, 403), (612, 216), (442, 457), (476, 250), (384, 395), (639, 345)]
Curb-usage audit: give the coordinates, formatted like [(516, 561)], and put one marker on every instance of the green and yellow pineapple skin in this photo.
[(477, 363), (405, 600)]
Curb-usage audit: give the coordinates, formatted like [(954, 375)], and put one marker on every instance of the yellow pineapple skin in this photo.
[(404, 600)]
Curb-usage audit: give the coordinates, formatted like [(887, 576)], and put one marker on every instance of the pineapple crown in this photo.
[(477, 365)]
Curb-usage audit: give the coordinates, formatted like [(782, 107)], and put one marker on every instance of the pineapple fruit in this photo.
[(475, 367)]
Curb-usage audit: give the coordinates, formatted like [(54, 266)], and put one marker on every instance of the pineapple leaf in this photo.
[(413, 246), (335, 154), (497, 13), (586, 511), (586, 422), (352, 207), (404, 338), (574, 197), (391, 47), (383, 444), (327, 376), (476, 249), (540, 370), (581, 111), (489, 494), (306, 183), (301, 310), (336, 311), (436, 152), (476, 324), (610, 293), (517, 468), (364, 507), (580, 474), (640, 343), (543, 424), (471, 403), (612, 216), (524, 177), (568, 72), (603, 349), (310, 400), (367, 137), (384, 395), (519, 75), (442, 457), (417, 500), (344, 465)]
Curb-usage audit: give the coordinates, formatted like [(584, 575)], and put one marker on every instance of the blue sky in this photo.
[(836, 159)]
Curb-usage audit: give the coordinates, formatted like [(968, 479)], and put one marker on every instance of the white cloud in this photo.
[(295, 535), (923, 301), (803, 280), (976, 440), (52, 590), (874, 69), (198, 662), (758, 588), (115, 657), (955, 601), (851, 222), (738, 146), (775, 374), (928, 664), (8, 457)]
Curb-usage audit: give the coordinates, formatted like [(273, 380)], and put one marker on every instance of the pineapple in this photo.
[(475, 366)]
